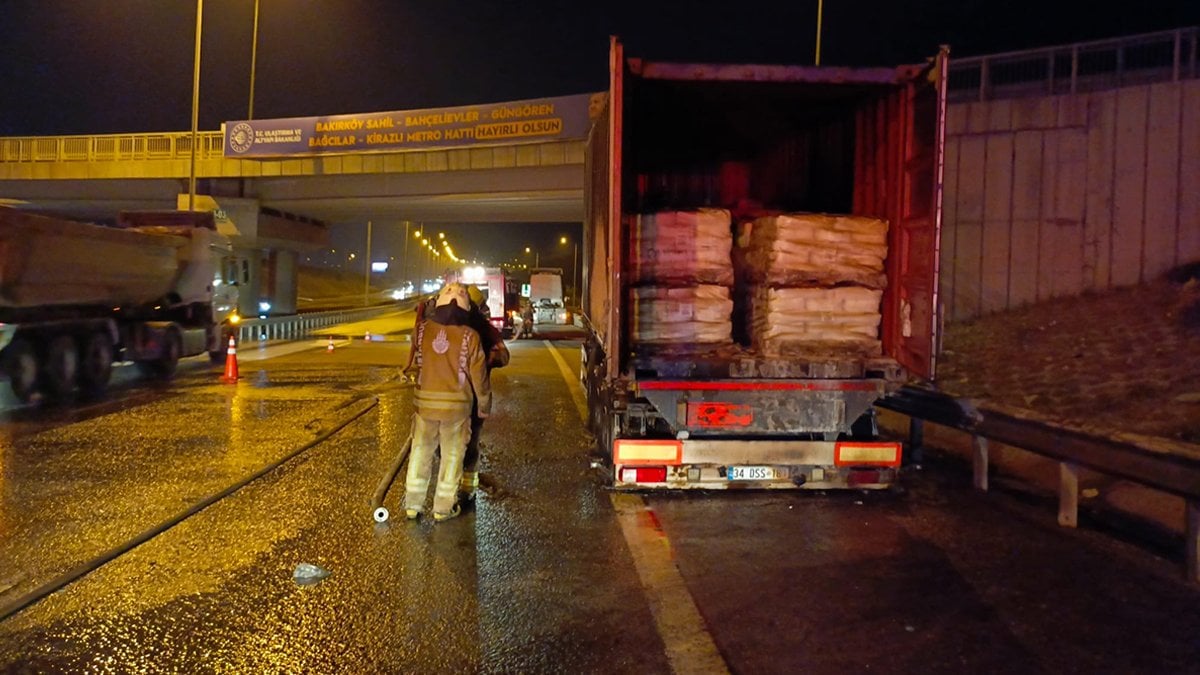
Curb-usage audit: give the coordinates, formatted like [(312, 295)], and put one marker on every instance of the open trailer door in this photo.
[(900, 165)]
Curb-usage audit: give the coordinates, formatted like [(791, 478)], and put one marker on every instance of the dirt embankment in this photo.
[(1126, 360)]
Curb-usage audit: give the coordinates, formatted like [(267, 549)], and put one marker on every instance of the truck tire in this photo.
[(21, 367), (165, 366), (96, 361), (61, 367)]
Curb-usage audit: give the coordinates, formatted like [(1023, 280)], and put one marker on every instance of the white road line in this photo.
[(572, 382), (690, 647)]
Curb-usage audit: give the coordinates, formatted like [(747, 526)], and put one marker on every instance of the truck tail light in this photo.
[(866, 454), (643, 451), (644, 474)]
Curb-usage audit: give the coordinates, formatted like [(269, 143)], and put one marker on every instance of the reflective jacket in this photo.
[(451, 374)]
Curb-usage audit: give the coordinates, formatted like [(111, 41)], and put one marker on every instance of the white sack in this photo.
[(683, 247), (810, 248), (799, 318), (694, 314)]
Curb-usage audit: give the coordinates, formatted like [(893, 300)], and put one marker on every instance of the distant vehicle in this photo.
[(546, 296), (750, 142), (498, 290), (77, 297)]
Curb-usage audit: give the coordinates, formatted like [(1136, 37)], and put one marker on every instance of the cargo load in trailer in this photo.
[(76, 297), (761, 268)]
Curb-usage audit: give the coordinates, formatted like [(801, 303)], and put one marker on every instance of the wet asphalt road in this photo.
[(543, 575)]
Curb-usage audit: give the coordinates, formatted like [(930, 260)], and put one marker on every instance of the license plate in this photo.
[(750, 473)]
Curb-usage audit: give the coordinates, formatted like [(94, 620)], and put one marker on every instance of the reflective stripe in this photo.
[(444, 405), (443, 395)]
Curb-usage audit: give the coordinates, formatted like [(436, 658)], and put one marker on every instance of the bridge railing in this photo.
[(1166, 56), (112, 147)]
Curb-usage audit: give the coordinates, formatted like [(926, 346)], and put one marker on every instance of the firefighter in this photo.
[(497, 357), (451, 382), (527, 321)]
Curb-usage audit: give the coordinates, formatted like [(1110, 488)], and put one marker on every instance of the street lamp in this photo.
[(367, 270), (195, 106), (253, 61), (404, 274), (820, 11)]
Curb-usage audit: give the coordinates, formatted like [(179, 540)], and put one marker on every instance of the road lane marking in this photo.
[(689, 645), (573, 384)]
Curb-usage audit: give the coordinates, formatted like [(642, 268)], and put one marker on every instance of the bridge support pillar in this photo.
[(281, 271)]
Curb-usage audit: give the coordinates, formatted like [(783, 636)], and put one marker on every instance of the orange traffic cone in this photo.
[(330, 347), (231, 368)]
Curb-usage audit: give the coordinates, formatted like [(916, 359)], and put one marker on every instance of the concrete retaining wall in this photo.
[(1053, 196)]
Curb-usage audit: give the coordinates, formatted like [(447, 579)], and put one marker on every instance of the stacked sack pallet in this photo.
[(814, 283), (682, 271)]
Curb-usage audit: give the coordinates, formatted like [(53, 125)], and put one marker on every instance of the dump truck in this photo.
[(761, 252), (76, 298)]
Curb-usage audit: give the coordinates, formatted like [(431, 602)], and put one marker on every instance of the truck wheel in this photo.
[(21, 366), (166, 364), (96, 362), (61, 367)]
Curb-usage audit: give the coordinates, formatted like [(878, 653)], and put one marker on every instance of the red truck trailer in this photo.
[(761, 252)]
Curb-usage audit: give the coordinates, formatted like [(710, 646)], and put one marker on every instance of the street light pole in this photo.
[(253, 61), (195, 106), (820, 11), (404, 274), (367, 271)]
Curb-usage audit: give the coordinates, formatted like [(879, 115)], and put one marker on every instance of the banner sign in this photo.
[(532, 121)]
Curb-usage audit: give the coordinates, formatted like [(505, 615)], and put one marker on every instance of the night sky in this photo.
[(113, 66)]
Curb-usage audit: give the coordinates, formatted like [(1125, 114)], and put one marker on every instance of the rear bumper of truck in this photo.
[(750, 464)]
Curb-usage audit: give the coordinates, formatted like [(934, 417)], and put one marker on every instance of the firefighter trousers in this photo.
[(427, 435), (470, 472)]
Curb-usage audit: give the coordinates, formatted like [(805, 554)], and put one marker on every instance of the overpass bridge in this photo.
[(277, 202)]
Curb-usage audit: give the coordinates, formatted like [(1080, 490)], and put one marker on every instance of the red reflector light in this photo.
[(644, 474)]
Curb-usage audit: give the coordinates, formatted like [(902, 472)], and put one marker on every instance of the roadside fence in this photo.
[(1160, 464)]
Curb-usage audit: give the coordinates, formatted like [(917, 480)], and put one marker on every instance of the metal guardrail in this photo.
[(302, 325), (1166, 56), (112, 147), (1139, 462)]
